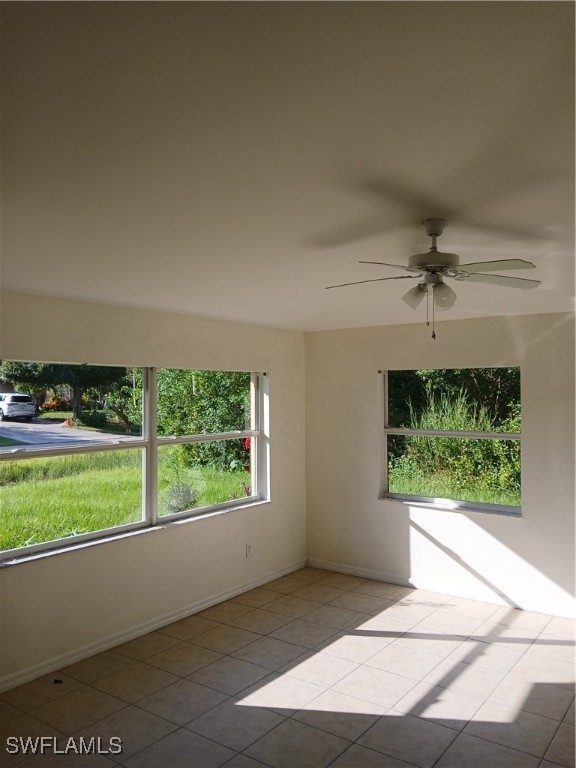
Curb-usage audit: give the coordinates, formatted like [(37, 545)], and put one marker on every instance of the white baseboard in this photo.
[(56, 663)]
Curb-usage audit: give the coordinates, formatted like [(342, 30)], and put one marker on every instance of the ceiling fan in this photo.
[(434, 266)]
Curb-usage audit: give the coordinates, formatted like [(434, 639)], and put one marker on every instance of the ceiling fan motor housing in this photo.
[(433, 260)]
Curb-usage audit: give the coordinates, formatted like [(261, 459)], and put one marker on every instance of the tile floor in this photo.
[(316, 669)]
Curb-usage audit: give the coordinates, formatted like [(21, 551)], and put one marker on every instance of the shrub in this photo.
[(180, 498), (56, 404), (93, 418)]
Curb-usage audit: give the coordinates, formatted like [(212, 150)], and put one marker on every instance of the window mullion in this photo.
[(150, 460)]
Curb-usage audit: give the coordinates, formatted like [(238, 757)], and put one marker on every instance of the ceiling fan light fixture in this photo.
[(444, 296), (415, 295)]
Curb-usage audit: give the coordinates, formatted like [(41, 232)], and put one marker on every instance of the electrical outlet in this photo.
[(248, 550)]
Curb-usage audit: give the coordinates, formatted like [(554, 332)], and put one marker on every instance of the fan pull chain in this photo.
[(433, 331)]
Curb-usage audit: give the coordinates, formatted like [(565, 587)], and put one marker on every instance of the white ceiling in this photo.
[(231, 160)]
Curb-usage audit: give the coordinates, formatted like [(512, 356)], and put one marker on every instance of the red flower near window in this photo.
[(247, 443)]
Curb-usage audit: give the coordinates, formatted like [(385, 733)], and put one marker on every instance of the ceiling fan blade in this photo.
[(507, 282), (374, 280), (486, 266), (397, 266)]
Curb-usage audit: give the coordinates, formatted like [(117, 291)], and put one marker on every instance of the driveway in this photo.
[(40, 432)]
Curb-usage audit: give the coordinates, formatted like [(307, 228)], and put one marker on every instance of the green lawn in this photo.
[(52, 498), (443, 486), (4, 441)]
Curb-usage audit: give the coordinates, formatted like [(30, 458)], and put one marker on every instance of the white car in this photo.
[(14, 406)]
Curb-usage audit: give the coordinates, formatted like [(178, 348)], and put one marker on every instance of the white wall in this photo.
[(527, 562), (65, 606)]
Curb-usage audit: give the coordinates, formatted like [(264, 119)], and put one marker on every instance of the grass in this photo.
[(61, 496), (5, 441), (442, 485)]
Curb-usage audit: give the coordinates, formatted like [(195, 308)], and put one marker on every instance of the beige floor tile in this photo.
[(429, 641), (408, 738), (295, 744), (470, 752), (337, 618), (318, 593), (543, 669), (304, 633), (261, 620), (439, 705), (561, 627), (97, 666), (294, 607), (569, 716), (256, 598), (375, 686), (9, 712), (229, 675), (411, 613), (486, 655), (466, 678), (136, 728), (22, 727), (360, 757), (382, 626), (235, 726), (515, 638), (342, 581), (188, 628), (135, 682), (539, 698), (270, 653), (281, 693), (182, 701), (243, 761), (225, 639), (181, 749), (223, 612), (309, 573), (32, 695), (357, 601), (147, 645), (383, 589), (70, 760), (560, 648), (284, 585), (514, 617), (426, 597), (355, 645), (561, 749), (472, 608), (183, 659), (320, 668), (340, 714), (513, 728), (452, 623), (404, 661), (78, 709)]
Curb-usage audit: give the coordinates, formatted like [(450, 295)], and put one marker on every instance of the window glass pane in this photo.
[(55, 405), (51, 498), (462, 469), (202, 474), (465, 399), (201, 402)]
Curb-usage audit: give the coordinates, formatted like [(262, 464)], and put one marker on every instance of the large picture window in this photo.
[(90, 451), (452, 437)]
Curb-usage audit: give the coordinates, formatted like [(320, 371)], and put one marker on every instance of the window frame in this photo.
[(148, 444), (430, 501)]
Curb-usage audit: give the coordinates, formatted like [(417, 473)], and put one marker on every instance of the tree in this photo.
[(77, 377)]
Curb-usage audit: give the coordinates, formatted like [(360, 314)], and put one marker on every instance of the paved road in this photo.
[(40, 432)]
